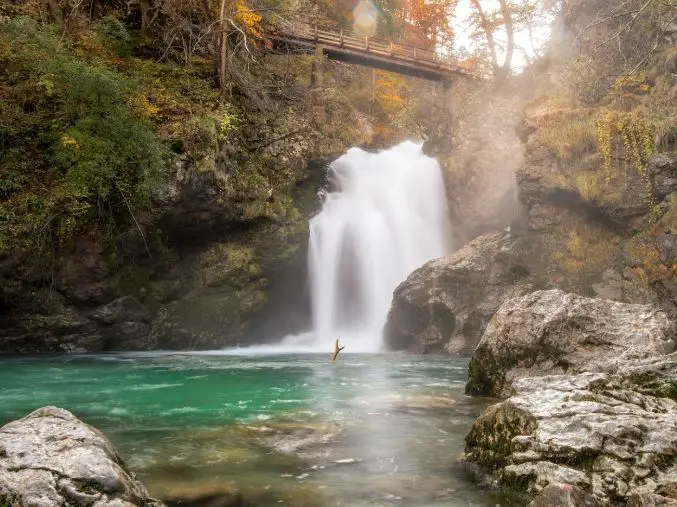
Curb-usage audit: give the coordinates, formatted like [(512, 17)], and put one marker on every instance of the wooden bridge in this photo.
[(347, 46)]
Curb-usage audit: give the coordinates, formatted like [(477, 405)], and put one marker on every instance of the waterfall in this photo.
[(386, 217)]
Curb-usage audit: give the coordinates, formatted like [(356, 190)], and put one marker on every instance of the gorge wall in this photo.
[(580, 184)]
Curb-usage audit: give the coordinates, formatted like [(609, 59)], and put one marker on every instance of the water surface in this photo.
[(294, 430)]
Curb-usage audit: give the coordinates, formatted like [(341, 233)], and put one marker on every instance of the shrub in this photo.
[(75, 154)]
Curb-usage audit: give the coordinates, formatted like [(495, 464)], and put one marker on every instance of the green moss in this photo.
[(514, 483), (229, 263), (654, 385), (8, 501), (490, 441)]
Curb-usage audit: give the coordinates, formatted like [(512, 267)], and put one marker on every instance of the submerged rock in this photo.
[(444, 306), (591, 431), (50, 458), (200, 494), (552, 332)]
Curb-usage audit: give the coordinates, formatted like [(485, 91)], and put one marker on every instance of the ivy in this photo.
[(633, 132)]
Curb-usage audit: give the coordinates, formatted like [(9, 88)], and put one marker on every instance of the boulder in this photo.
[(552, 332), (592, 431), (564, 495), (444, 306), (50, 458)]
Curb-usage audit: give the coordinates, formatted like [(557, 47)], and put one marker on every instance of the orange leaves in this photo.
[(428, 20), (248, 19), (389, 89)]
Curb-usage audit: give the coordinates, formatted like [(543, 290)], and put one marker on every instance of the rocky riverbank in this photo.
[(50, 458), (590, 402)]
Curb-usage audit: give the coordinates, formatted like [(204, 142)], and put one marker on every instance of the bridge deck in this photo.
[(384, 54)]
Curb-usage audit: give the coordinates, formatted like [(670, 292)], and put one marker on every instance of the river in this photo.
[(297, 430)]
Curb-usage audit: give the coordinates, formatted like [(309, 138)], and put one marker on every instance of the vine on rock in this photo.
[(631, 132)]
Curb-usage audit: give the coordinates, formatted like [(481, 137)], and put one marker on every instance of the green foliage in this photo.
[(76, 154), (113, 34)]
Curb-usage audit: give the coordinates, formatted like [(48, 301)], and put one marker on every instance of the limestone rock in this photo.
[(564, 495), (444, 306), (663, 169), (591, 431), (50, 458), (125, 323), (550, 332)]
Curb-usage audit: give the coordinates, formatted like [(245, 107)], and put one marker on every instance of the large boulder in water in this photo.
[(50, 458), (443, 307), (552, 332), (593, 432)]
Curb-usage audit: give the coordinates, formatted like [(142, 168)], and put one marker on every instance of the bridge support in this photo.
[(317, 84), (448, 95), (317, 78)]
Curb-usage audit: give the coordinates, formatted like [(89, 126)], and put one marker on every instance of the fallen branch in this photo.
[(337, 349)]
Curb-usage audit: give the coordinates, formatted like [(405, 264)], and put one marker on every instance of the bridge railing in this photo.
[(347, 39)]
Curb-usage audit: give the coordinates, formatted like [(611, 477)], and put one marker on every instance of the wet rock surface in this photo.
[(444, 307), (51, 458), (552, 332), (594, 432)]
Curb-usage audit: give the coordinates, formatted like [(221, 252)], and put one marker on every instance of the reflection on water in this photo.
[(367, 430)]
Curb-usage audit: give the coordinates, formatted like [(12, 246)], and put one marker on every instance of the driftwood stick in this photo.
[(337, 349)]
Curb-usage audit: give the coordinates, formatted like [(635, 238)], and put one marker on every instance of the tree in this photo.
[(488, 23), (427, 21)]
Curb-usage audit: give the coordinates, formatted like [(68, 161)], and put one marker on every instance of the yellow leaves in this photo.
[(632, 83), (248, 19), (630, 131), (143, 106), (70, 142)]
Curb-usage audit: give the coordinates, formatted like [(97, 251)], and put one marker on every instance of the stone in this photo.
[(125, 324), (50, 326), (564, 495), (199, 494), (50, 458), (590, 430), (650, 500), (85, 276), (663, 169), (124, 309), (444, 306), (550, 332)]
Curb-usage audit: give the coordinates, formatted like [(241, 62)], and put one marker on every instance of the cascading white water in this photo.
[(387, 217)]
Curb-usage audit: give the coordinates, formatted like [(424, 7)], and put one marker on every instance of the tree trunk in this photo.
[(144, 6), (55, 11), (488, 31), (509, 29), (223, 48)]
